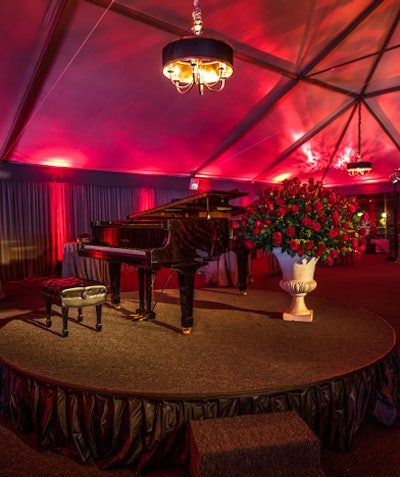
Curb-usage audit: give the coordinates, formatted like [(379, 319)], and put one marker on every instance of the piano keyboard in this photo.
[(136, 252)]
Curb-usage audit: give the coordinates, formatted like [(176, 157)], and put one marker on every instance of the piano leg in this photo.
[(186, 291), (242, 255), (145, 277), (115, 286)]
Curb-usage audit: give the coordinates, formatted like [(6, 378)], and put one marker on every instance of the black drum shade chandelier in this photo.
[(201, 61)]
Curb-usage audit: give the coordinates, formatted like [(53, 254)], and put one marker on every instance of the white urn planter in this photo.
[(297, 280)]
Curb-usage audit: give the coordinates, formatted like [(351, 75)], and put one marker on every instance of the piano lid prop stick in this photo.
[(163, 288)]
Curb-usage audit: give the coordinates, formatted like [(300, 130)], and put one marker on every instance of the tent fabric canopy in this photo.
[(82, 87)]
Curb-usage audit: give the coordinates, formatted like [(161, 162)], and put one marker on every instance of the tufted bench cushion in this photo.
[(73, 292)]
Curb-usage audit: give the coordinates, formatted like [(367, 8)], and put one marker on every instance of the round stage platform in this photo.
[(148, 380)]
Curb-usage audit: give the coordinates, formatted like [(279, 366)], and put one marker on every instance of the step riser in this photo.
[(262, 445)]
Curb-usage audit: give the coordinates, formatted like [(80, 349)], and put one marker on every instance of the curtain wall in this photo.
[(37, 218)]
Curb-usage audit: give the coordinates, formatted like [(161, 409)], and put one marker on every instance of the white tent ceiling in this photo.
[(81, 86)]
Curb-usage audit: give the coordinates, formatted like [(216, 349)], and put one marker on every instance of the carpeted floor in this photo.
[(370, 285), (229, 328)]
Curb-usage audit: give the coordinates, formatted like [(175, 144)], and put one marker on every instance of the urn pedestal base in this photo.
[(297, 281), (288, 316)]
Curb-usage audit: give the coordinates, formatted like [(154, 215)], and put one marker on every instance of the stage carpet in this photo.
[(124, 396)]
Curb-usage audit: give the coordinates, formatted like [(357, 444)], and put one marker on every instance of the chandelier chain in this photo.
[(197, 27), (359, 167)]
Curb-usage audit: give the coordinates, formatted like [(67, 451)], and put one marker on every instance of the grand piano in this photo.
[(183, 235)]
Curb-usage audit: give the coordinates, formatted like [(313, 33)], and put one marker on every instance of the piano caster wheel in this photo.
[(186, 331), (243, 292), (141, 315), (117, 307), (137, 316)]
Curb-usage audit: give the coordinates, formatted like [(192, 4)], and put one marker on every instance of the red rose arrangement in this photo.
[(303, 218)]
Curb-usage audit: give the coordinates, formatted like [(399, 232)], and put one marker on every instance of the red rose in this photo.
[(290, 231), (334, 253), (316, 226), (293, 244), (249, 244), (310, 245), (335, 218), (333, 233), (277, 239), (332, 198), (321, 248), (281, 212)]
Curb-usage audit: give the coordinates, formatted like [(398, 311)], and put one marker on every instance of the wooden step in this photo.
[(273, 444)]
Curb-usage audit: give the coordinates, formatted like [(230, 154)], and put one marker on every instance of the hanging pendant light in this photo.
[(205, 62), (359, 167)]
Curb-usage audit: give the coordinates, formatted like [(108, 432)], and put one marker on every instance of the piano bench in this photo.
[(73, 292)]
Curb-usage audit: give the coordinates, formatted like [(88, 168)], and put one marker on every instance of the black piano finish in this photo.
[(183, 235)]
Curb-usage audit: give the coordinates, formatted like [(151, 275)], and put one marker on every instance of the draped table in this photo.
[(224, 271), (73, 265)]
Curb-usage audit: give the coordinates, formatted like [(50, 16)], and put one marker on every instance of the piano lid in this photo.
[(206, 204)]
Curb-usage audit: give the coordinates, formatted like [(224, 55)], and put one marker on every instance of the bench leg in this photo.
[(80, 315), (65, 321), (48, 314), (98, 317)]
